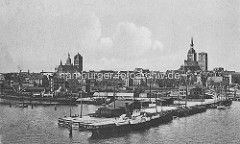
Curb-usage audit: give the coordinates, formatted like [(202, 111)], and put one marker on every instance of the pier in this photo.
[(148, 117)]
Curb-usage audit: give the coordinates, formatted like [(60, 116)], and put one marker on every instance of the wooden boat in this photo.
[(40, 100), (64, 121), (23, 105)]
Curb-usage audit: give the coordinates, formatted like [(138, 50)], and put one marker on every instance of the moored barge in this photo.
[(41, 100), (126, 124)]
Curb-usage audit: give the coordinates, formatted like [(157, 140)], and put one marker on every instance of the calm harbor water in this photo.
[(39, 125)]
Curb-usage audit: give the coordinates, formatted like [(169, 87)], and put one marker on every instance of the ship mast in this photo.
[(150, 90), (81, 105), (156, 102), (114, 95), (186, 84)]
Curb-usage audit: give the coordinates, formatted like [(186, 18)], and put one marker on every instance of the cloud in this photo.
[(157, 45), (128, 47), (108, 63), (131, 41), (44, 32), (106, 42), (6, 60), (40, 32)]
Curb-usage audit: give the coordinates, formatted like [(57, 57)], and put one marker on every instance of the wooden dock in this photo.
[(157, 115)]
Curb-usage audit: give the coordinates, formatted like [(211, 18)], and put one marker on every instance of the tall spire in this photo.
[(192, 43), (60, 62), (191, 56), (68, 61)]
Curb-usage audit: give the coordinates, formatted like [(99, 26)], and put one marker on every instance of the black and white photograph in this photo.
[(119, 71)]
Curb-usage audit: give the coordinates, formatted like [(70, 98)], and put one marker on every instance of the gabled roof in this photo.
[(35, 76), (68, 69)]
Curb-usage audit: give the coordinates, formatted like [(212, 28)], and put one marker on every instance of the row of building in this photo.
[(70, 77)]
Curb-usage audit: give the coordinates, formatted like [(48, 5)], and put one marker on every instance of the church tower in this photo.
[(191, 63), (192, 56), (78, 61), (68, 61)]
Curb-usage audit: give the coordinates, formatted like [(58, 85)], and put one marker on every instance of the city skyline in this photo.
[(117, 35)]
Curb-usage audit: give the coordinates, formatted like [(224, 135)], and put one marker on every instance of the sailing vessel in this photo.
[(65, 121), (22, 104)]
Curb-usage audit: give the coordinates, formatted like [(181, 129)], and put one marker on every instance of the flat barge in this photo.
[(126, 124), (40, 100)]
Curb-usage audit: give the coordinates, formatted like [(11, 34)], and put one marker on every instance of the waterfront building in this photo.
[(217, 81), (193, 91), (35, 80), (203, 61), (234, 78), (218, 70), (2, 79), (47, 74), (117, 95)]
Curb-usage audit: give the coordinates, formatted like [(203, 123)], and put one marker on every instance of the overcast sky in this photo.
[(117, 34)]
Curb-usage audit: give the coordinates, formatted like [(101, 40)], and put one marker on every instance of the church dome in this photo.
[(68, 61), (191, 51)]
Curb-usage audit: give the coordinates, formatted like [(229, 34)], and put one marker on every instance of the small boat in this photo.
[(213, 106), (65, 121), (175, 117), (221, 107), (23, 105)]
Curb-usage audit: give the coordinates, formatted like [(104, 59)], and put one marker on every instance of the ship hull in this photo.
[(40, 100), (141, 125)]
